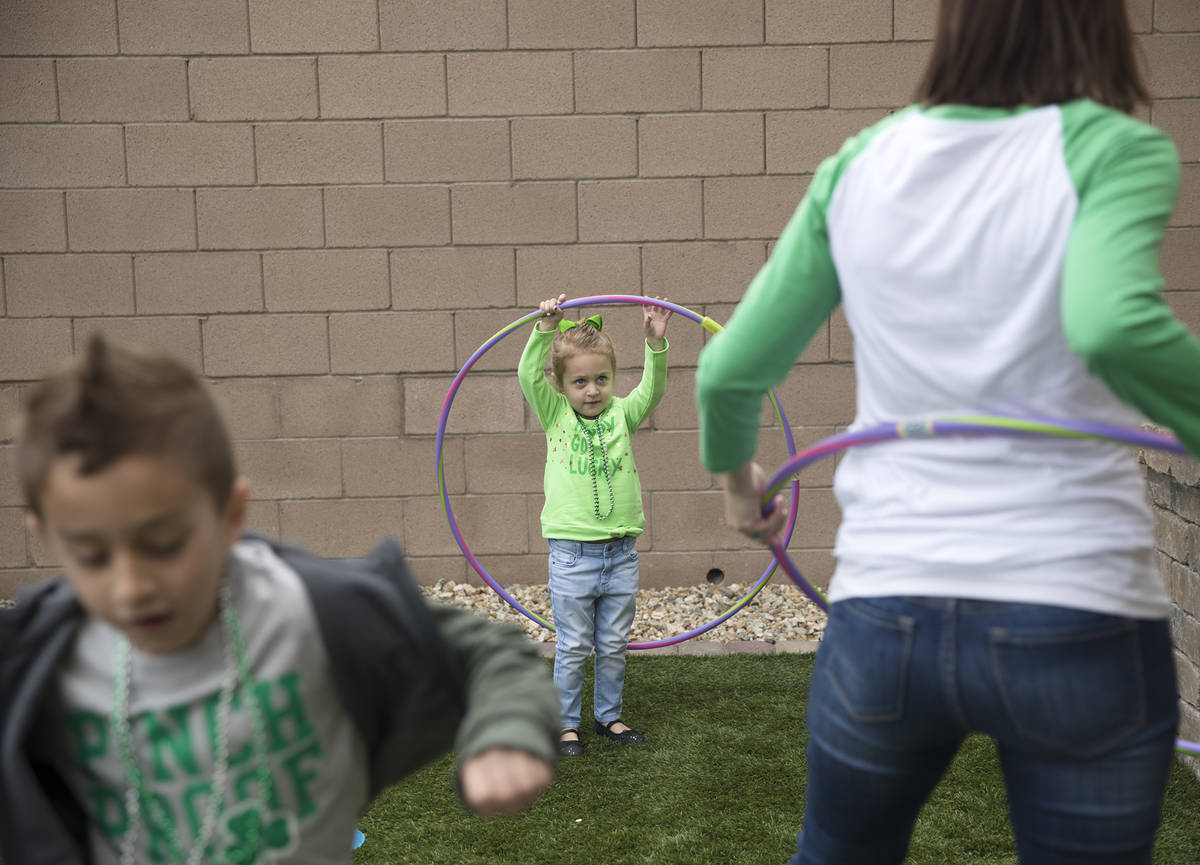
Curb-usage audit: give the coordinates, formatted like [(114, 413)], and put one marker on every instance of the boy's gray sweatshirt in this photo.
[(417, 680)]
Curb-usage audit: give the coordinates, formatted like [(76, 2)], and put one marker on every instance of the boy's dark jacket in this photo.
[(416, 679)]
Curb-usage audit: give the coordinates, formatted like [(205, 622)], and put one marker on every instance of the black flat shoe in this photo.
[(626, 737), (570, 747)]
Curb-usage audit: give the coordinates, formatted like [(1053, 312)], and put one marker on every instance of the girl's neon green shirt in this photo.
[(572, 489)]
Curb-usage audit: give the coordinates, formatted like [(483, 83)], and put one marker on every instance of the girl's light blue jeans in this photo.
[(1082, 707), (593, 594)]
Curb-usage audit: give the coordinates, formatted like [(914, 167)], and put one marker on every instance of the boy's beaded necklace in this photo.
[(237, 679), (612, 498)]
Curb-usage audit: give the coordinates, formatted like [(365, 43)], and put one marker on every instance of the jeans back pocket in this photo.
[(869, 654), (1077, 692)]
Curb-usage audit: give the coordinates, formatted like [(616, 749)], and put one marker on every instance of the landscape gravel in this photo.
[(777, 612)]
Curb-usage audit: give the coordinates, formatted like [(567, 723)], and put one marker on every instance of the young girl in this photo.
[(593, 512), (995, 250)]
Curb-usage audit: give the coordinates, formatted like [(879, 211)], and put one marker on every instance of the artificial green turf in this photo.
[(720, 780)]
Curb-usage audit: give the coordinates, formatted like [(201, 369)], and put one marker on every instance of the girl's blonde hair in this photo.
[(584, 338)]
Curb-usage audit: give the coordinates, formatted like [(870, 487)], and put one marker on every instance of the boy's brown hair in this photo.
[(1005, 53), (114, 402), (584, 338)]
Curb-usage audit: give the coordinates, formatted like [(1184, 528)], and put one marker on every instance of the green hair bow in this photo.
[(565, 324)]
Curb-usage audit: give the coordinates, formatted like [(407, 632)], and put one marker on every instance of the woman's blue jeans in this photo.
[(593, 595), (1082, 706)]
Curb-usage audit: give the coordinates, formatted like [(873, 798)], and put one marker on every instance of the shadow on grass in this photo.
[(719, 780)]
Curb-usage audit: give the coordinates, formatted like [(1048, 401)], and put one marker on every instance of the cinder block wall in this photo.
[(326, 206)]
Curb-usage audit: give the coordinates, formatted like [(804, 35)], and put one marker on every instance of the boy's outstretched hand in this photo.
[(503, 781), (656, 323), (551, 312)]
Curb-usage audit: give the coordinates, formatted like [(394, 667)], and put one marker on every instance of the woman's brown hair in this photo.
[(1005, 53), (114, 401)]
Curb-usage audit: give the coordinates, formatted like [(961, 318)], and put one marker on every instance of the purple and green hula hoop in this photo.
[(705, 322), (959, 425)]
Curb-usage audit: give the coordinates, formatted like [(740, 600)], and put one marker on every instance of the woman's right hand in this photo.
[(744, 488), (551, 312)]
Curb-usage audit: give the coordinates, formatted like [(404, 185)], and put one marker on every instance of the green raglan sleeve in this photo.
[(511, 701), (649, 391), (1114, 315), (531, 374), (789, 299)]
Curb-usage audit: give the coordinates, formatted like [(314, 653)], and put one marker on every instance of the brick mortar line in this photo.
[(420, 118), (247, 54), (433, 50)]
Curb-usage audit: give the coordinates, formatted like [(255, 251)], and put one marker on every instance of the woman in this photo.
[(995, 250)]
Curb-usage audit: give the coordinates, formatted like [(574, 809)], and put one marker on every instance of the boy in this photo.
[(189, 694)]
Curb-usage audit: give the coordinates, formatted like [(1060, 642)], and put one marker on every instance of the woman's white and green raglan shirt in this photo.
[(571, 489), (993, 261)]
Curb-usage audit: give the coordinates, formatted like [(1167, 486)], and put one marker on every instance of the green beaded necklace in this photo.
[(612, 498)]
